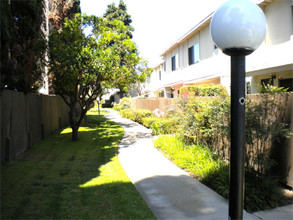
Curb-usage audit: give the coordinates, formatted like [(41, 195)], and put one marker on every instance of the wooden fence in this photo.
[(163, 104), (26, 119)]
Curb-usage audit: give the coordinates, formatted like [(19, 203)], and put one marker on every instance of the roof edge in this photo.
[(202, 24)]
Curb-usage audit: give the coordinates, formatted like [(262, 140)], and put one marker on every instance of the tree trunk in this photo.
[(99, 108), (75, 133), (73, 123)]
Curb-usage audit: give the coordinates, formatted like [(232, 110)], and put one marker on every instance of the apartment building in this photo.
[(194, 59)]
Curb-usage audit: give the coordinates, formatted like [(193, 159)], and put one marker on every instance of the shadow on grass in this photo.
[(218, 180), (45, 182)]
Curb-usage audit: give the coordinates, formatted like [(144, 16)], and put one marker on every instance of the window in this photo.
[(193, 54), (286, 83), (266, 82), (175, 63), (160, 75), (165, 66)]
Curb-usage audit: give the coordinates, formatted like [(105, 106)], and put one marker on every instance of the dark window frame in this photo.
[(193, 54), (174, 61)]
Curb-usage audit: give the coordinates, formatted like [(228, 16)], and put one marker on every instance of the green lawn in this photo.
[(58, 178)]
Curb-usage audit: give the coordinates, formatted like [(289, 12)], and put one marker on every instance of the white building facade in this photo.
[(194, 59)]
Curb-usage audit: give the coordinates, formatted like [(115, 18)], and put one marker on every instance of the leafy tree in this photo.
[(82, 66), (143, 72), (22, 44), (129, 73), (120, 13), (6, 29)]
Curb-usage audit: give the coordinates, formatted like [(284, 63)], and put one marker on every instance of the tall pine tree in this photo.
[(23, 40), (120, 13), (127, 71), (23, 44)]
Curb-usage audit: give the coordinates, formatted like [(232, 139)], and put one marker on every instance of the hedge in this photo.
[(203, 90), (135, 115)]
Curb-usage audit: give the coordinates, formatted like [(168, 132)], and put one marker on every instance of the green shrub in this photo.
[(164, 126), (203, 90), (158, 125), (124, 103), (140, 114), (135, 115), (262, 193), (197, 159), (147, 122), (204, 120), (127, 113), (272, 89)]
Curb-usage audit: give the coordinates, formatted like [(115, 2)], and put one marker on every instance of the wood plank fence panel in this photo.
[(26, 119), (35, 116), (18, 125)]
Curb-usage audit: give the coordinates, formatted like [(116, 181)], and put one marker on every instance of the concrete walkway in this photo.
[(168, 190)]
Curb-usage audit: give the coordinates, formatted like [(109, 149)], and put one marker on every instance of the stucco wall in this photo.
[(206, 45), (279, 21), (256, 80)]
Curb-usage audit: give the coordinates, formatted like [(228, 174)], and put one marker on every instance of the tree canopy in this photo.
[(23, 40), (83, 65), (129, 73), (22, 44), (120, 13)]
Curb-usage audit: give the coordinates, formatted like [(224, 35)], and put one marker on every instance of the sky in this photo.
[(157, 23)]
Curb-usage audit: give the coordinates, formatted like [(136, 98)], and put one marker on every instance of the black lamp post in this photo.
[(238, 27)]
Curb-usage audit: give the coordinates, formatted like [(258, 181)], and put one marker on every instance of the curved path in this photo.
[(168, 190)]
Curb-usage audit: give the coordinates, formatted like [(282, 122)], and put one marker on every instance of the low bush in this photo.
[(203, 90), (168, 125), (140, 114), (123, 104), (135, 115), (164, 126), (147, 122), (204, 120), (197, 159)]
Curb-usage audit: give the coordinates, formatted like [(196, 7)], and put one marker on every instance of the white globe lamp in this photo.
[(238, 26)]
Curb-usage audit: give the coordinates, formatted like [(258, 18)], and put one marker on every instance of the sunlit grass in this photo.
[(198, 160), (61, 179), (81, 129), (109, 173)]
